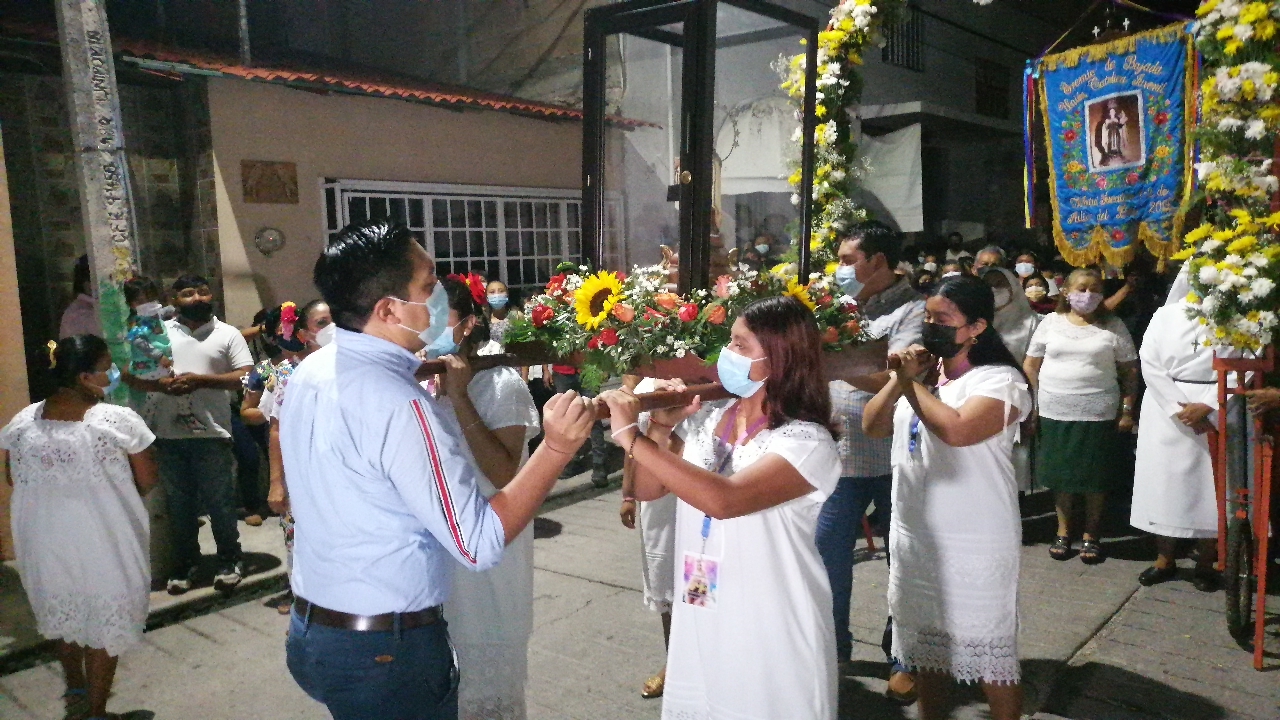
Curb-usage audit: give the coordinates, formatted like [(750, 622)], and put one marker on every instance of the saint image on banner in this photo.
[(1116, 137)]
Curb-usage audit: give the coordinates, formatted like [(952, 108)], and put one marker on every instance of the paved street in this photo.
[(1095, 647)]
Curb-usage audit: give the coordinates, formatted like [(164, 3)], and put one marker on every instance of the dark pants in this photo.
[(839, 527), (248, 443), (197, 471), (599, 448), (406, 675)]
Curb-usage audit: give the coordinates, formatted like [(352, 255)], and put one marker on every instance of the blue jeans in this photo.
[(197, 475), (406, 675), (839, 527)]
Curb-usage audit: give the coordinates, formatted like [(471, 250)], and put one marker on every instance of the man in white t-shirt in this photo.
[(191, 417)]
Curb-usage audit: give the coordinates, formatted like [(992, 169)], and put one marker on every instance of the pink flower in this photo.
[(688, 312), (623, 312), (1131, 178), (722, 286), (1101, 183)]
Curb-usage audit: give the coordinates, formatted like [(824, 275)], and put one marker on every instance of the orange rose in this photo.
[(623, 312), (852, 327), (830, 335), (667, 301), (717, 315)]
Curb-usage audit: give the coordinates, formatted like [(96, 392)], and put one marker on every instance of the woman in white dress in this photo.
[(490, 613), (79, 468), (751, 627), (955, 534), (1015, 322), (1173, 491)]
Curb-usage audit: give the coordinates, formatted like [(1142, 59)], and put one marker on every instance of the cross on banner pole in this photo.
[(93, 102)]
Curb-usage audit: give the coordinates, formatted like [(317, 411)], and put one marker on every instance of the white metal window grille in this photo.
[(517, 235)]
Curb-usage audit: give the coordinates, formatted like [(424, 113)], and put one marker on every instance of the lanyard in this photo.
[(724, 463), (913, 435)]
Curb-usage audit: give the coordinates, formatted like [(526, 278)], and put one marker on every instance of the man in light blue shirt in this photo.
[(383, 497)]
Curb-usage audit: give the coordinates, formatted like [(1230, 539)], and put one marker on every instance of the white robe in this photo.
[(1173, 493)]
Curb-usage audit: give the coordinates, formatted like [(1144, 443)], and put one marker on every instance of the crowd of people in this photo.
[(406, 499)]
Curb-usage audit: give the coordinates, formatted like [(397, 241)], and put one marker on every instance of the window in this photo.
[(991, 88), (905, 41), (513, 234)]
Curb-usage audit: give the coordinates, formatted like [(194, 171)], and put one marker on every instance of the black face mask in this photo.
[(291, 344), (197, 312), (940, 340)]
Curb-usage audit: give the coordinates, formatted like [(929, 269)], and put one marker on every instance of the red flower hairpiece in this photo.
[(288, 319), (474, 283)]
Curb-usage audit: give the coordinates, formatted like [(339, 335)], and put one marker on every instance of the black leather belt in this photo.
[(365, 623)]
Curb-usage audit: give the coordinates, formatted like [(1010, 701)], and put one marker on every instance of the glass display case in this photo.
[(689, 140)]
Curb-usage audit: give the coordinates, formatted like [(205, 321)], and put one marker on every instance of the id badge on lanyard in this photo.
[(700, 571)]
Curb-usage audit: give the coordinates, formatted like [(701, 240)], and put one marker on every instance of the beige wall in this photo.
[(13, 364), (353, 137)]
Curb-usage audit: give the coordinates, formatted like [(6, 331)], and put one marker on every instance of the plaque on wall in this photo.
[(266, 181)]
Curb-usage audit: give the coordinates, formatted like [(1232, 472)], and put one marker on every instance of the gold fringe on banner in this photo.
[(1122, 46)]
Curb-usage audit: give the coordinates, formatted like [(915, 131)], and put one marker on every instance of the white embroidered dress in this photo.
[(490, 613), (766, 650), (956, 539), (80, 530)]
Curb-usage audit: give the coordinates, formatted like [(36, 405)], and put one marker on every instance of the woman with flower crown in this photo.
[(751, 627)]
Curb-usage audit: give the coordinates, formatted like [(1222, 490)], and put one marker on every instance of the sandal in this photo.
[(1061, 548), (1091, 552), (654, 686)]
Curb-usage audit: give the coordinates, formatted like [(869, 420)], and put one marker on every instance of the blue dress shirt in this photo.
[(382, 495)]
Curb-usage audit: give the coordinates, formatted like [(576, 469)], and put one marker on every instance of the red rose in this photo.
[(825, 301), (852, 327), (688, 312), (1162, 118), (555, 286), (540, 315), (608, 336), (830, 335), (1131, 178), (594, 343), (1069, 136), (717, 315), (651, 314)]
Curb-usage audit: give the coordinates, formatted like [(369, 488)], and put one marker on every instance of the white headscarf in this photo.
[(1181, 286), (1016, 321)]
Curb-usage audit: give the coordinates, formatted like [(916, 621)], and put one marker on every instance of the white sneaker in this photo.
[(229, 576)]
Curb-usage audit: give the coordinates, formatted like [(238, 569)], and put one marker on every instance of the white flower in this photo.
[(1243, 32), (1208, 275), (795, 199), (1250, 71), (1233, 259), (1209, 246), (1228, 86), (1267, 183), (1209, 304), (1261, 287), (1203, 169), (1267, 319), (1257, 260), (1255, 129), (1250, 272), (1230, 124), (982, 2)]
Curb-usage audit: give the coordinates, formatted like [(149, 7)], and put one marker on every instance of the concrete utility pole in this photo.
[(105, 201)]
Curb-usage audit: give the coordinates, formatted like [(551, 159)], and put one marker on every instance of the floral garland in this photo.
[(621, 322), (1234, 255)]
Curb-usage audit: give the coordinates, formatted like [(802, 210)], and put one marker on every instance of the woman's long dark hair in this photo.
[(75, 355), (976, 301), (796, 388), (461, 301)]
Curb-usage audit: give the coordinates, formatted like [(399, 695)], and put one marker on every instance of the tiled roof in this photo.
[(151, 56)]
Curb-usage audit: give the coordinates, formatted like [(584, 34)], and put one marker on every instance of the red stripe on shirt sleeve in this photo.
[(442, 485)]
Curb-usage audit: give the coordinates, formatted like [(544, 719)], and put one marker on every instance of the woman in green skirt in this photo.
[(1084, 368)]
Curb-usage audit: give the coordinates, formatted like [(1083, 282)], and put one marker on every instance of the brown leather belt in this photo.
[(364, 623)]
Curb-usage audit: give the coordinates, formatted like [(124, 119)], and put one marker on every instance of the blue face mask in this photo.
[(497, 302), (443, 345), (438, 307), (847, 279), (735, 373), (113, 380)]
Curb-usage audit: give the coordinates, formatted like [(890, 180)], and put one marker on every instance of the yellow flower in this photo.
[(1193, 298), (1198, 234), (1074, 166), (1163, 151), (782, 270), (800, 292), (1183, 254), (1242, 245), (815, 245), (1226, 31), (1253, 12), (597, 296), (795, 178), (1206, 7), (1273, 221), (830, 269), (1265, 29), (1233, 47), (1271, 78), (1224, 235), (821, 111)]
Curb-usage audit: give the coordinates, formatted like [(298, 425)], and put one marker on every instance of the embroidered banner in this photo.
[(1115, 126)]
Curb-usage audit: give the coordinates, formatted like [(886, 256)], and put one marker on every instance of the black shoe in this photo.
[(1206, 580), (180, 582), (1154, 575), (229, 576)]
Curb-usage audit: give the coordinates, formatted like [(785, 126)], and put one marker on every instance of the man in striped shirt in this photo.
[(383, 497)]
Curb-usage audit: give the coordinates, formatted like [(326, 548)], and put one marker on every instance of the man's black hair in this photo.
[(190, 280), (879, 239), (365, 263), (138, 287)]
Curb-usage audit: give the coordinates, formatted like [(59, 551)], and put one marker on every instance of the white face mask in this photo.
[(438, 308), (326, 334), (762, 249)]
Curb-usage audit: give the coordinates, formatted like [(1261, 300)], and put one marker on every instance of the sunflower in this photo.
[(800, 292), (597, 296)]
